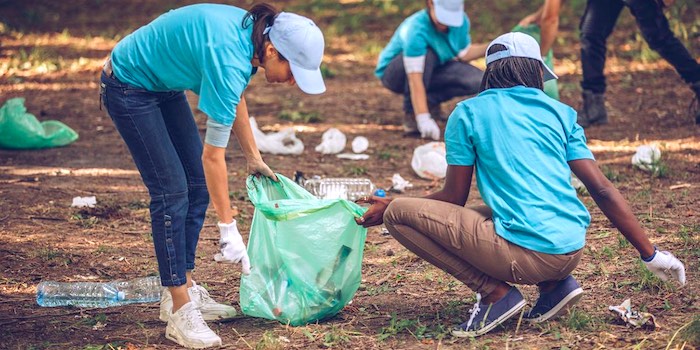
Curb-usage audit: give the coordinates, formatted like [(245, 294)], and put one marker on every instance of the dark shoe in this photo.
[(556, 302), (410, 127), (593, 112), (485, 317)]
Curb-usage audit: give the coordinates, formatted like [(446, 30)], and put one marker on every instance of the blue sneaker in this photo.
[(556, 302), (485, 317)]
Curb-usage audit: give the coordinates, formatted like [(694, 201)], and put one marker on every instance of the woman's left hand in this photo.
[(257, 167), (375, 214)]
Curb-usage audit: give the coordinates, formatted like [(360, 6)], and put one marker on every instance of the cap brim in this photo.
[(309, 81), (449, 18), (548, 73)]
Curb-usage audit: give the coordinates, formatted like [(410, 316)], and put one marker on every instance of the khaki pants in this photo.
[(462, 241)]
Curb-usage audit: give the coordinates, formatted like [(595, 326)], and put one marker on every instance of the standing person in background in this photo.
[(427, 61), (212, 50), (532, 228), (598, 22)]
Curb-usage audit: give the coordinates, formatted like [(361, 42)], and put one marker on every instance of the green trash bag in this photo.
[(21, 130), (550, 87), (305, 253)]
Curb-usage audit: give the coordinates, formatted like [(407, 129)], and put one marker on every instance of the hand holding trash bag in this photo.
[(375, 214), (233, 249), (666, 266), (257, 166)]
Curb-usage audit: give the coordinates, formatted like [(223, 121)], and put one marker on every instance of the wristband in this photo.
[(651, 257)]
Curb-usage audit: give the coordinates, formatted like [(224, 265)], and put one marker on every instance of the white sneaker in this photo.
[(187, 328), (210, 309)]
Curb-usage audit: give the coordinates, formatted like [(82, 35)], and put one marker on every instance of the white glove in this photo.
[(664, 265), (427, 126), (233, 249)]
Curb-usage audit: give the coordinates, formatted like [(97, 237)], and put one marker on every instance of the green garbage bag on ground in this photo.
[(21, 130), (550, 87), (305, 253)]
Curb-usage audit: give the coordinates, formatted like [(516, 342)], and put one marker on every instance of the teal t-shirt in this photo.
[(520, 141), (202, 48), (416, 34)]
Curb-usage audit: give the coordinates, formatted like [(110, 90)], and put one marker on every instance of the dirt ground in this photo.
[(51, 54)]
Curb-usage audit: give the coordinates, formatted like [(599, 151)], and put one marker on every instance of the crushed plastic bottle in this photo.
[(344, 188), (99, 294)]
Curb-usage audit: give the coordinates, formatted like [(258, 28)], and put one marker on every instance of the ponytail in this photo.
[(261, 16)]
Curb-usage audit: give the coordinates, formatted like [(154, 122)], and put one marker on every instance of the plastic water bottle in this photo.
[(98, 294), (340, 187)]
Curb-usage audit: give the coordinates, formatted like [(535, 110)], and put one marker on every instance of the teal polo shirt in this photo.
[(202, 48), (416, 34), (520, 141)]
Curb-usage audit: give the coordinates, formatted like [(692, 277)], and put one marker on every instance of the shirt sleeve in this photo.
[(217, 134), (458, 139), (220, 92), (414, 64), (576, 147), (415, 43)]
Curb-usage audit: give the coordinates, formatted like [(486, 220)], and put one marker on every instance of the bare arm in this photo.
[(475, 51), (613, 205), (244, 134), (419, 98), (549, 24), (214, 162)]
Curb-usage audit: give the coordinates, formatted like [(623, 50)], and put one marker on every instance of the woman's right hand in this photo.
[(375, 214), (257, 166)]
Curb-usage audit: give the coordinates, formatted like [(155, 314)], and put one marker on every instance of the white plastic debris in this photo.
[(399, 184), (360, 144), (81, 202), (332, 142), (429, 161), (353, 156), (634, 318), (281, 142), (647, 157)]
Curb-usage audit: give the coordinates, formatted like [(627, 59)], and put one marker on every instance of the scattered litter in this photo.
[(353, 156), (429, 161), (281, 142), (360, 144), (332, 142), (634, 318), (578, 185), (80, 202), (679, 186), (647, 157), (399, 184), (22, 130)]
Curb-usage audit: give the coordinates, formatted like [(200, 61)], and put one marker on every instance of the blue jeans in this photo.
[(163, 139), (442, 82), (598, 22)]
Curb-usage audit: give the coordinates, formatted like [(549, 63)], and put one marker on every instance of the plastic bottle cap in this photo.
[(380, 193)]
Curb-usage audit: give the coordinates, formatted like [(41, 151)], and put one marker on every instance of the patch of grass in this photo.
[(691, 333), (578, 320), (269, 341), (355, 170), (337, 336), (47, 254), (622, 242), (300, 117), (327, 72), (611, 174), (646, 279), (395, 327), (688, 234), (85, 221)]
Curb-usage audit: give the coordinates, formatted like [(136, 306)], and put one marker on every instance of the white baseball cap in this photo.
[(449, 12), (300, 41), (519, 45)]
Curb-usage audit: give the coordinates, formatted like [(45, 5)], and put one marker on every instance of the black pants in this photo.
[(598, 22), (442, 82)]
